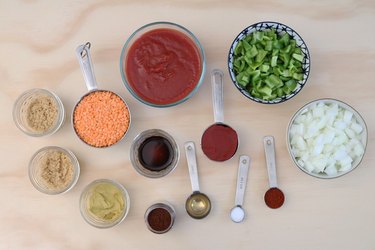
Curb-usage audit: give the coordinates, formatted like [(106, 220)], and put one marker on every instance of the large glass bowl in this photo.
[(160, 25)]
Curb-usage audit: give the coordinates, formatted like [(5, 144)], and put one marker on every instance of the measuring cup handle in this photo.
[(217, 95), (84, 59), (192, 165), (243, 170), (269, 150)]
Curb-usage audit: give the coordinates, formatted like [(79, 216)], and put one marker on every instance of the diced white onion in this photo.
[(326, 138)]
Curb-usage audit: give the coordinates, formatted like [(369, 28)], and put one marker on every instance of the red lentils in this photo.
[(101, 118)]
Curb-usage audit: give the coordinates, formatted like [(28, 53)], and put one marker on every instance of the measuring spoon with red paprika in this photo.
[(197, 205), (274, 197), (219, 141)]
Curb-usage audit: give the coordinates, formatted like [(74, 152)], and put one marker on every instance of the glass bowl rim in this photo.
[(60, 116), (76, 168), (191, 36), (87, 217), (345, 105)]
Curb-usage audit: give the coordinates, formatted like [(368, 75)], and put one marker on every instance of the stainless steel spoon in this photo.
[(237, 213), (197, 205)]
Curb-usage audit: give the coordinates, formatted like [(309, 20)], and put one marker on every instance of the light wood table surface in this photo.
[(37, 47)]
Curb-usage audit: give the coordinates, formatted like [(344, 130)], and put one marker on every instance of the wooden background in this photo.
[(37, 49)]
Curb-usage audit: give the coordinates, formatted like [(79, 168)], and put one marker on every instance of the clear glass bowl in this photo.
[(164, 205), (345, 106), (34, 168), (84, 199), (134, 153), (152, 26), (20, 112), (279, 27)]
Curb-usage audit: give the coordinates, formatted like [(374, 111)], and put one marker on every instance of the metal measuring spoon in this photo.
[(219, 141), (237, 214), (197, 205), (274, 197)]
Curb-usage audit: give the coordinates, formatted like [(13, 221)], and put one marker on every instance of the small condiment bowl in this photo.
[(279, 27), (135, 153), (84, 204), (20, 112), (356, 116), (34, 168), (165, 206), (161, 25)]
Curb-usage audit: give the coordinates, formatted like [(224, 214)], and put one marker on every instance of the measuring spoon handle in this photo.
[(217, 95), (243, 169), (269, 150), (192, 165), (84, 59)]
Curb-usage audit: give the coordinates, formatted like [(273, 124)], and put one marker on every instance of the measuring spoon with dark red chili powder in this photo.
[(274, 197), (219, 141)]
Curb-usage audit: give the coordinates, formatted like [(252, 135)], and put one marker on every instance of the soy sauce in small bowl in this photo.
[(154, 153)]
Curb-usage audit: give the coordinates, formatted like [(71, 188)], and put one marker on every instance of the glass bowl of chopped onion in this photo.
[(269, 62), (54, 170), (327, 138)]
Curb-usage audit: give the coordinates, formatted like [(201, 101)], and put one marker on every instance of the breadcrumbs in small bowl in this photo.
[(54, 170), (101, 118)]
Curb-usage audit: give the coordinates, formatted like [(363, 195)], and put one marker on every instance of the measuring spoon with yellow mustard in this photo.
[(197, 205)]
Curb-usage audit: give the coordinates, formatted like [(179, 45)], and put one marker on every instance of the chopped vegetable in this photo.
[(268, 64), (326, 138)]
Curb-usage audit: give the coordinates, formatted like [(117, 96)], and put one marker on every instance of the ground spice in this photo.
[(41, 113), (274, 198), (101, 118), (159, 219), (56, 170)]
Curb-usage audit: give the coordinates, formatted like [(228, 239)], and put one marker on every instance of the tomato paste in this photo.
[(219, 142), (163, 66)]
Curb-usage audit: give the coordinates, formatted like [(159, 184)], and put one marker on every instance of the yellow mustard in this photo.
[(106, 202)]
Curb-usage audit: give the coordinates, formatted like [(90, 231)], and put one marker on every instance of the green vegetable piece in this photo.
[(268, 46), (298, 57), (265, 90), (274, 61), (246, 45), (252, 52), (261, 55), (285, 39), (264, 68), (291, 84), (238, 50), (297, 76)]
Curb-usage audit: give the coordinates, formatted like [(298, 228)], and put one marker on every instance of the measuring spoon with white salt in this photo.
[(237, 214)]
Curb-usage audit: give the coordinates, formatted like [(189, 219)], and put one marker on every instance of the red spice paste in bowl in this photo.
[(162, 65)]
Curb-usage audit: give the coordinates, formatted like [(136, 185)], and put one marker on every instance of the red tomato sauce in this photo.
[(163, 66)]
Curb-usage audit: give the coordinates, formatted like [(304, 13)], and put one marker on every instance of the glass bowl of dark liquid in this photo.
[(154, 153)]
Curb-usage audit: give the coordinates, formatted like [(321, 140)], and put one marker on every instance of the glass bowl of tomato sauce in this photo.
[(162, 64)]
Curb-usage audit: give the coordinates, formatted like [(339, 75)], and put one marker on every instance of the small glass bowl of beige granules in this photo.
[(38, 112), (54, 170)]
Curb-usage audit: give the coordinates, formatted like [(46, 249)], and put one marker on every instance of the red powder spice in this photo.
[(159, 219), (101, 118), (274, 198), (219, 142)]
